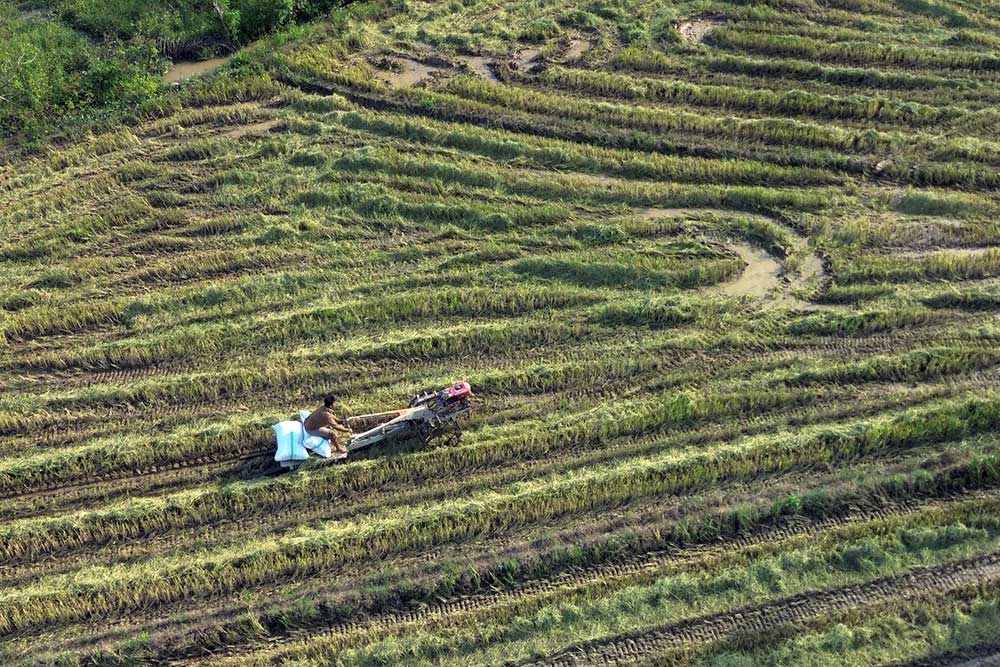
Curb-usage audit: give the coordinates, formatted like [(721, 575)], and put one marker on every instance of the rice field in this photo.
[(722, 276)]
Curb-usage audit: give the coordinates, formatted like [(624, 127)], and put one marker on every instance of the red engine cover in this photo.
[(459, 390)]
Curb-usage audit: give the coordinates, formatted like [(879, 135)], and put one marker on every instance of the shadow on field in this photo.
[(264, 466)]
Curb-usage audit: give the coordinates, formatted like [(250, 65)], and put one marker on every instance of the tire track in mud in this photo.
[(618, 573), (765, 619), (166, 477), (166, 468), (757, 424), (876, 409), (981, 661), (520, 122), (932, 334), (984, 655), (187, 409)]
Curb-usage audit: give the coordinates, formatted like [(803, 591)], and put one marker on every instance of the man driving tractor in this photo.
[(323, 423), (429, 415)]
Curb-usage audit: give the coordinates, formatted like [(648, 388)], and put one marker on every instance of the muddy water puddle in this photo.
[(183, 69), (526, 57), (810, 268), (761, 274), (406, 72)]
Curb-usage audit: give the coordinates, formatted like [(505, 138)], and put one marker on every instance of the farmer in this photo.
[(323, 423)]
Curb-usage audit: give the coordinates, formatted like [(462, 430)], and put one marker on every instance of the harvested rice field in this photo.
[(724, 278)]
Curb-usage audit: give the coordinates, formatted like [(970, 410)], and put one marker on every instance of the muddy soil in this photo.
[(956, 252), (481, 66), (653, 213), (764, 275), (985, 661), (183, 69), (811, 267), (526, 57), (694, 30), (577, 47), (407, 72), (257, 128)]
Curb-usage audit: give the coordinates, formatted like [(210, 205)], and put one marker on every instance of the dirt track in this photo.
[(764, 275)]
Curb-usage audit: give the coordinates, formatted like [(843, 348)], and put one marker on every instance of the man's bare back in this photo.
[(323, 423)]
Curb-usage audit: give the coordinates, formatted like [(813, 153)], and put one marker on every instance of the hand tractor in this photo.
[(429, 416)]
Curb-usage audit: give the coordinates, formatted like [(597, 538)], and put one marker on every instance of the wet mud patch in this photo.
[(811, 268), (939, 251), (765, 275), (577, 47), (527, 57), (761, 275), (481, 66), (653, 213), (257, 128)]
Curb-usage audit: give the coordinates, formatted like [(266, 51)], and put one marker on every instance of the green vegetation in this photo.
[(185, 27), (722, 276), (47, 70)]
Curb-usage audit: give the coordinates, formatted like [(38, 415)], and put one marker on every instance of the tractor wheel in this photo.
[(425, 433)]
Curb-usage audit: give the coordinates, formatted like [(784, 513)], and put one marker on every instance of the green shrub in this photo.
[(181, 27), (259, 17), (47, 72)]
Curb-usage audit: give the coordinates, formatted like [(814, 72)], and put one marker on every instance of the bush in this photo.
[(180, 27), (48, 71), (259, 17)]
